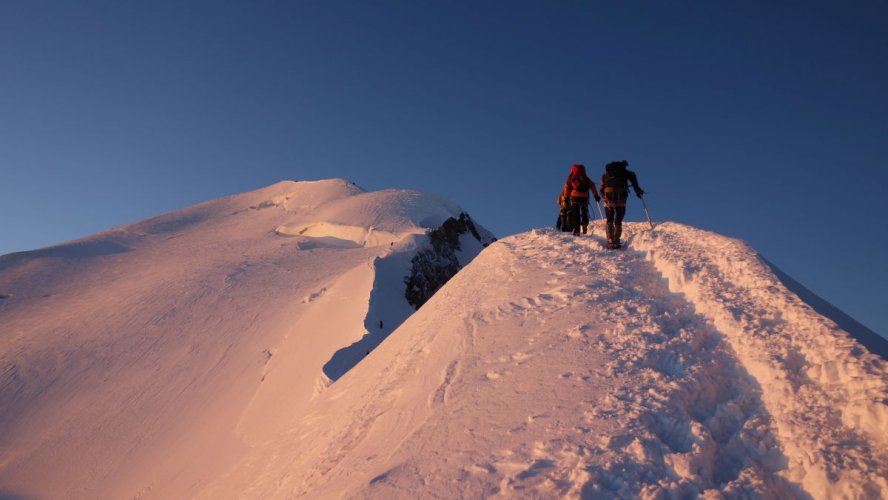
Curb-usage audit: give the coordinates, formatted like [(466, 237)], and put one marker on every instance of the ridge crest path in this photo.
[(547, 367), (827, 393)]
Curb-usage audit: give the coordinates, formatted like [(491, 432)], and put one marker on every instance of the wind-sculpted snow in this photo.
[(828, 396), (391, 210), (143, 360), (874, 342), (433, 266), (550, 368), (408, 276), (261, 346)]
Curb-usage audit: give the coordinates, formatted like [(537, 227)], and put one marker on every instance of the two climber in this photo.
[(578, 188)]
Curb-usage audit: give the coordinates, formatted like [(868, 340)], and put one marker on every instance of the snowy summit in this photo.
[(289, 342)]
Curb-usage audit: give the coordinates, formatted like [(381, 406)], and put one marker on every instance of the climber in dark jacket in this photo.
[(615, 184)]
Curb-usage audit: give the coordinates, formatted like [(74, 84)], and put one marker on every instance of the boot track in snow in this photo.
[(551, 367)]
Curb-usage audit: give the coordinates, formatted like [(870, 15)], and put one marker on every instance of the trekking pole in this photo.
[(601, 216), (648, 214)]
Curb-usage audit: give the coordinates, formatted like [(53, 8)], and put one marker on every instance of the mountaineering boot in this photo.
[(584, 226), (618, 231), (610, 235)]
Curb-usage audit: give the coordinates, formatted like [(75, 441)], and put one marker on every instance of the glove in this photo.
[(597, 199), (639, 192)]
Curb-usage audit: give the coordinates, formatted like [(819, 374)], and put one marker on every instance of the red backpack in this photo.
[(577, 180)]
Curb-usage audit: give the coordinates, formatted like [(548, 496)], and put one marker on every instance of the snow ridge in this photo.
[(550, 367), (825, 392), (144, 360), (194, 354)]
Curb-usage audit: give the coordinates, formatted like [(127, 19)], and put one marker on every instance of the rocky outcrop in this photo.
[(432, 267)]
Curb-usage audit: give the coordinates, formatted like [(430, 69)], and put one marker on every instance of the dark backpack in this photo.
[(615, 179)]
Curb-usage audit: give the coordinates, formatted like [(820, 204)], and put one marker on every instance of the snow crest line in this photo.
[(552, 368), (581, 376), (825, 393), (688, 409)]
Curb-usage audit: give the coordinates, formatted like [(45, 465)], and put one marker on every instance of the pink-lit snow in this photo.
[(191, 355)]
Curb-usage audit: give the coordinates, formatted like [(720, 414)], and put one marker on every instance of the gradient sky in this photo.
[(762, 120)]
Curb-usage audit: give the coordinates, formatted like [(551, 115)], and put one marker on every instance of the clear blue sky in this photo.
[(763, 120)]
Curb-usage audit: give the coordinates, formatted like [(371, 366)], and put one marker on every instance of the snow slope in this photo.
[(550, 367), (221, 351), (144, 360)]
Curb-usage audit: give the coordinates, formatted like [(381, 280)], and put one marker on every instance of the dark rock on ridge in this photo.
[(433, 267)]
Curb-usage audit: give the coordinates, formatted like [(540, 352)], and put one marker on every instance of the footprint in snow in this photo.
[(533, 418), (578, 331), (314, 296), (520, 357), (482, 469)]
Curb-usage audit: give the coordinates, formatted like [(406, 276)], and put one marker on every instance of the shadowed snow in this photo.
[(550, 367), (221, 351), (144, 360)]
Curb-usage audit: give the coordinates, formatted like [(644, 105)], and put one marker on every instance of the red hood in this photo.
[(577, 169)]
